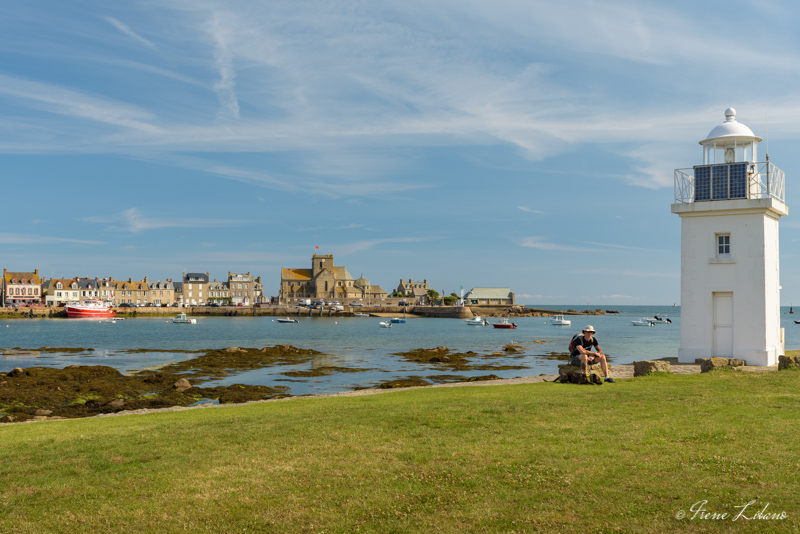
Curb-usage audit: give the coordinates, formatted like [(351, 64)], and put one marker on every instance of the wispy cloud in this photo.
[(630, 272), (27, 239), (360, 246), (132, 221), (121, 26), (529, 210), (541, 243), (55, 99), (223, 63), (624, 247)]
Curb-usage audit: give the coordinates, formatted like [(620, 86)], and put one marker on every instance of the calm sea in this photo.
[(347, 342)]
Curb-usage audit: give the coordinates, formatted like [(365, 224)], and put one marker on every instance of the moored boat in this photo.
[(558, 320), (475, 321), (90, 308), (385, 324), (503, 323), (398, 320), (287, 320), (643, 322), (182, 319)]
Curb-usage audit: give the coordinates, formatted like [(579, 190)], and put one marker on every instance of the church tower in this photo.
[(730, 207)]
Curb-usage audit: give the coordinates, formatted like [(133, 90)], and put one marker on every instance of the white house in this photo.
[(730, 206)]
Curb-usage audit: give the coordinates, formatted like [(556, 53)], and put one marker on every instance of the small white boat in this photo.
[(475, 321), (357, 314), (385, 324), (643, 322), (559, 320), (181, 318), (288, 320)]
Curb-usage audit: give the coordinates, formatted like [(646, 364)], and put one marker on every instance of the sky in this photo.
[(522, 144)]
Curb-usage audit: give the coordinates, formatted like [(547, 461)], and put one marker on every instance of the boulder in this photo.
[(650, 366), (565, 369), (788, 362), (117, 404), (711, 364), (182, 384), (41, 412), (17, 371)]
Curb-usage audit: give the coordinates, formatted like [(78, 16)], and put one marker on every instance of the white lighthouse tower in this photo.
[(730, 207)]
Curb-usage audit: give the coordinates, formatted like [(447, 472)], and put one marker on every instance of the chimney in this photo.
[(130, 280), (145, 279), (426, 281)]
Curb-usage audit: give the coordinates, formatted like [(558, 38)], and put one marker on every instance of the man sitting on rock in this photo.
[(583, 356)]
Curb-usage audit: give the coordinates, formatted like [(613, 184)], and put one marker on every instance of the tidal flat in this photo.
[(37, 393)]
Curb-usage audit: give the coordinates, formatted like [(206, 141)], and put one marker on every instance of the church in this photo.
[(324, 281)]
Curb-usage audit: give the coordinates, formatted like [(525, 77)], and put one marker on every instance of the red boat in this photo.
[(504, 324), (89, 309)]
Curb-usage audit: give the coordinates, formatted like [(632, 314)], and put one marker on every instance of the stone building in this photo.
[(21, 287), (161, 292), (193, 289), (414, 291), (61, 290), (243, 288), (369, 294), (489, 296), (219, 293), (131, 292), (322, 281)]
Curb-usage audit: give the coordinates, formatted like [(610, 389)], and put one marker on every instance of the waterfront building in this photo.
[(414, 291), (489, 296), (242, 288), (219, 292), (161, 292), (133, 292), (323, 281), (61, 290), (21, 287), (369, 294), (193, 289), (730, 207)]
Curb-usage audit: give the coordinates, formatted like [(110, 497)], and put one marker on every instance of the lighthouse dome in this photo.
[(731, 128)]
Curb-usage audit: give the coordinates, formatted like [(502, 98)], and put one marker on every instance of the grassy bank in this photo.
[(514, 458)]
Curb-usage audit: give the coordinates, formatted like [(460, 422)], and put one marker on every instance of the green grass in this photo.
[(510, 458)]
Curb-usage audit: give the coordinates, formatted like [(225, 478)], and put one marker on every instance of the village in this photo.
[(323, 286)]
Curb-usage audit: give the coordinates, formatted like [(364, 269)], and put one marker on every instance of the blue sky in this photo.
[(508, 143)]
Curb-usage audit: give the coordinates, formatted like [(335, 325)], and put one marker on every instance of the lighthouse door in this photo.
[(723, 325)]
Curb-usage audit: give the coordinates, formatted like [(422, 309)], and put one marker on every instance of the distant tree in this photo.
[(449, 301), (433, 294)]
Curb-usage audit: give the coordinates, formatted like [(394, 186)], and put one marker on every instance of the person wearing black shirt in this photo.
[(582, 352)]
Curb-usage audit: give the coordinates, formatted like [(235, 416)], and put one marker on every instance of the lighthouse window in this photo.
[(724, 244)]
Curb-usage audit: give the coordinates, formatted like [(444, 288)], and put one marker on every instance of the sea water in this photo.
[(352, 342)]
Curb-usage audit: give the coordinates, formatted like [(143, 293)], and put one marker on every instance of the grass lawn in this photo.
[(509, 458)]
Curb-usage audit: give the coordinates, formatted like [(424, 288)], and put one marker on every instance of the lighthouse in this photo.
[(730, 207)]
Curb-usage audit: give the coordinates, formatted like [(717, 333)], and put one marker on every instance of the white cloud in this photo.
[(625, 247), (529, 210), (132, 221), (27, 239), (541, 243), (121, 26), (223, 63)]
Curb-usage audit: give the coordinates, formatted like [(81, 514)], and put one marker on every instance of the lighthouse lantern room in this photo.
[(730, 207)]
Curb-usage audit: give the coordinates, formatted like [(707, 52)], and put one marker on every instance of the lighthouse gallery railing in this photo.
[(728, 181)]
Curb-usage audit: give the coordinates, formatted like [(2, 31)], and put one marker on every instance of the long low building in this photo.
[(489, 296)]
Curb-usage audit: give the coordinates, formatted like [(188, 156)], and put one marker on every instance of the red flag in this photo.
[(315, 247)]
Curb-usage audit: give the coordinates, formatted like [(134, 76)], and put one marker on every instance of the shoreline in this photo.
[(622, 371)]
